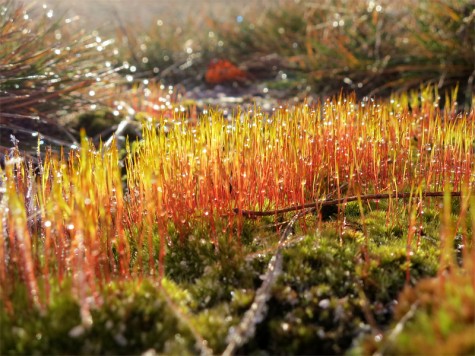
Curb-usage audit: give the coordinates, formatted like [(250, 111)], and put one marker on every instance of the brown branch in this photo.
[(324, 202)]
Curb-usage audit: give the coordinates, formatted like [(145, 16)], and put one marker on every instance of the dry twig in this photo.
[(324, 202)]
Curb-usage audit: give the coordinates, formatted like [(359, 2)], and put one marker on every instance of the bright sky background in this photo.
[(105, 12)]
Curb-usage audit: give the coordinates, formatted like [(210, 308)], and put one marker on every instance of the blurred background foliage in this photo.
[(366, 46), (373, 48), (55, 66)]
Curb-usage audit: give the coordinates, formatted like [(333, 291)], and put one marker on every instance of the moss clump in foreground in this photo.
[(331, 293), (132, 318), (437, 316)]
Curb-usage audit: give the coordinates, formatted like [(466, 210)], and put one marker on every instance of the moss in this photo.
[(310, 299), (242, 299), (132, 319), (320, 304), (324, 289), (389, 268), (30, 331), (352, 210), (214, 323), (220, 281), (186, 260), (212, 272), (437, 316)]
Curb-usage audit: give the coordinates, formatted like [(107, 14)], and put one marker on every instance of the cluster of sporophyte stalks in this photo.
[(82, 218)]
